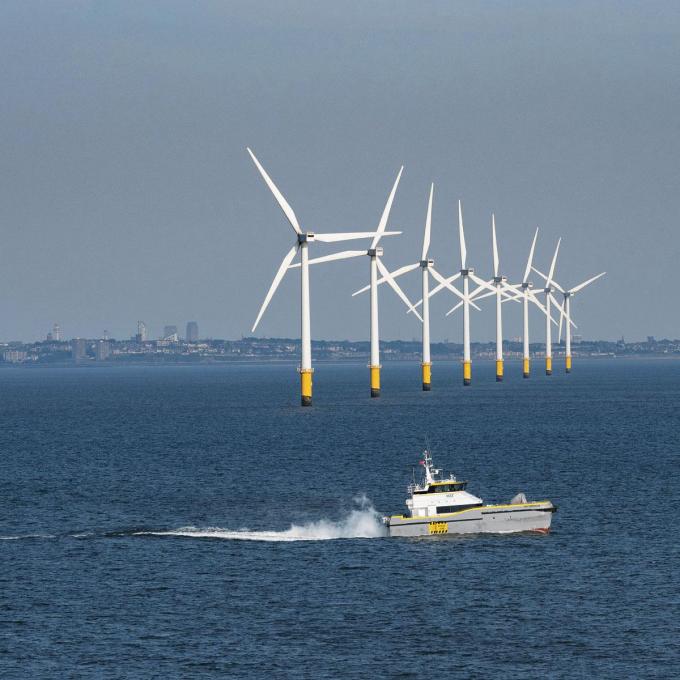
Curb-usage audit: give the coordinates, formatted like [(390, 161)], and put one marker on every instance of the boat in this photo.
[(441, 505)]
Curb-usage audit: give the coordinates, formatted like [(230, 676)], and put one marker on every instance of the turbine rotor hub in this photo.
[(375, 252)]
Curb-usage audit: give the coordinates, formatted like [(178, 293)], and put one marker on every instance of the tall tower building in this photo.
[(141, 332), (192, 331), (103, 350), (78, 349), (56, 332)]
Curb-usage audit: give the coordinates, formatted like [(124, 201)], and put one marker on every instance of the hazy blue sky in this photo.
[(127, 192)]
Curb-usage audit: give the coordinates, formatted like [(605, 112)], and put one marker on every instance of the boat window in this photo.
[(445, 488), (443, 509)]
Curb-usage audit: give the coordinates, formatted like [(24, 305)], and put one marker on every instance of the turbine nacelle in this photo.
[(426, 263), (500, 279), (375, 252), (467, 272), (306, 237)]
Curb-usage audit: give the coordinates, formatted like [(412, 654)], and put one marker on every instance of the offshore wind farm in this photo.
[(496, 286), (339, 340)]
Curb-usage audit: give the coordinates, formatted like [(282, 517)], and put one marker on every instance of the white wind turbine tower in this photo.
[(566, 311), (528, 296), (375, 253), (550, 298), (302, 240), (427, 268), (500, 289), (467, 273)]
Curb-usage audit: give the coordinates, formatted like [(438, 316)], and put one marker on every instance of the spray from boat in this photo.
[(361, 522)]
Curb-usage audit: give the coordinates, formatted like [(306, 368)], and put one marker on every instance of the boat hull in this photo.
[(488, 519)]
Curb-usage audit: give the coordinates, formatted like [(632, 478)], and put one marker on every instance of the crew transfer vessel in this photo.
[(441, 505)]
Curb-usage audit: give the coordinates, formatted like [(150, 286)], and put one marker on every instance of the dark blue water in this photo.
[(124, 493)]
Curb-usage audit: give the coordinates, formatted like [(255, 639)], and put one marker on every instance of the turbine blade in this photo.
[(343, 255), (563, 315), (507, 290), (283, 203), (461, 235), (395, 287), (580, 286), (395, 274), (495, 245), (453, 309), (428, 224), (275, 283), (445, 283), (476, 292), (551, 273), (481, 283), (535, 300), (531, 257), (481, 297), (350, 236), (386, 212), (543, 276)]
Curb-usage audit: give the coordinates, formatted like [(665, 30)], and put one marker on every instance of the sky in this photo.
[(127, 192)]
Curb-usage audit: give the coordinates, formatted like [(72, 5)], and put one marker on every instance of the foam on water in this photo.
[(363, 522)]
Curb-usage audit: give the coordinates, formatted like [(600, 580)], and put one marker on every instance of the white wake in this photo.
[(363, 522)]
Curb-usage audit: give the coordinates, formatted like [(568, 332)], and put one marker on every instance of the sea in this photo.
[(196, 522)]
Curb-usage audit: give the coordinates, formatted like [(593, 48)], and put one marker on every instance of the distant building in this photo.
[(576, 339), (103, 350), (192, 331), (78, 349), (141, 332), (13, 356), (651, 340), (56, 332), (170, 333)]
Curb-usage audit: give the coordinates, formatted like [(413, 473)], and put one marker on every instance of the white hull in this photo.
[(487, 519)]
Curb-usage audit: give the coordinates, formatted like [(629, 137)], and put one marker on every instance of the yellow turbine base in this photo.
[(499, 370), (467, 372), (525, 368), (548, 365), (375, 381), (427, 376), (567, 364), (306, 386)]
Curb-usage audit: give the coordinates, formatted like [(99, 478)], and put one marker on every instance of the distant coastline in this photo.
[(98, 352)]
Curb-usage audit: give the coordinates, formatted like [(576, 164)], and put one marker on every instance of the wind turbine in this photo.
[(499, 289), (375, 253), (550, 298), (427, 268), (528, 296), (302, 240), (566, 311)]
